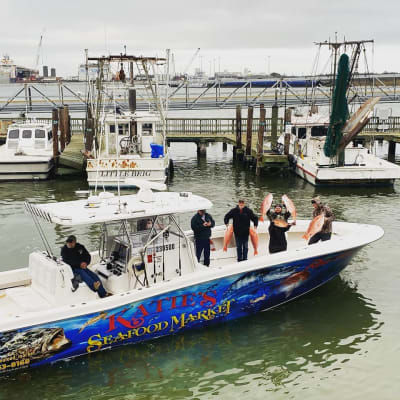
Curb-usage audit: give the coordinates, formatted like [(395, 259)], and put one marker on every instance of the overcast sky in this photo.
[(260, 35)]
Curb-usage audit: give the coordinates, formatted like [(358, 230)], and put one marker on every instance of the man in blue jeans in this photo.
[(201, 224), (241, 216), (75, 255)]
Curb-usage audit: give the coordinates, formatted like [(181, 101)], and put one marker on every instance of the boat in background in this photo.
[(28, 152), (148, 265), (128, 149)]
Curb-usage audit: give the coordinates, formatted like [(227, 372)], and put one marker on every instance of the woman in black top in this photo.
[(277, 228)]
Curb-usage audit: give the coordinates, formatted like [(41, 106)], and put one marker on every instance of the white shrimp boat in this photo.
[(27, 153), (307, 159), (132, 146), (157, 286)]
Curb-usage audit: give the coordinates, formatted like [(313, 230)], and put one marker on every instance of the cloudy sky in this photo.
[(260, 35)]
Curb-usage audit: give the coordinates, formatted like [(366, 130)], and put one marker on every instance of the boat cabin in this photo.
[(131, 133), (32, 136), (307, 139)]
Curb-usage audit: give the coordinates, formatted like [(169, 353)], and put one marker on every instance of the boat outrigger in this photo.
[(157, 286)]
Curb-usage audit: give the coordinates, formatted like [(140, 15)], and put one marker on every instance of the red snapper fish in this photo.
[(315, 226), (290, 206), (228, 236), (254, 240), (266, 205)]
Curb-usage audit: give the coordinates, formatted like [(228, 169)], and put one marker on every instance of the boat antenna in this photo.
[(39, 228)]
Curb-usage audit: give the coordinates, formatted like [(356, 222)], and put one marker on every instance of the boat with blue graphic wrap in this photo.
[(148, 265)]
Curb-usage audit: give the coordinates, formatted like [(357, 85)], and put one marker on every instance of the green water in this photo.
[(341, 341)]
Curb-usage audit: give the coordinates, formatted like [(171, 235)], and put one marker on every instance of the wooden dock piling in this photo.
[(274, 126), (260, 142), (392, 151), (237, 149), (61, 126), (249, 132), (55, 136), (67, 121)]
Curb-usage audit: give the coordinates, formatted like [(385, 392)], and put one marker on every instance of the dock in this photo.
[(253, 139)]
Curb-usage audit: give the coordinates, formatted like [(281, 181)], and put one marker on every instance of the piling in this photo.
[(249, 132), (237, 149), (260, 141), (286, 146), (61, 126), (55, 136), (274, 126), (392, 151), (202, 149), (67, 121), (224, 147), (132, 100)]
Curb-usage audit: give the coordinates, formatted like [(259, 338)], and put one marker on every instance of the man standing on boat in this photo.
[(201, 224), (76, 255), (326, 232), (241, 216)]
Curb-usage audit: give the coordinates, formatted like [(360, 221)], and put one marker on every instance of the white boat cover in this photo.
[(107, 207)]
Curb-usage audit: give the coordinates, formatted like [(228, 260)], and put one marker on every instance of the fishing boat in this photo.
[(322, 149), (28, 152), (127, 143), (131, 146), (147, 262)]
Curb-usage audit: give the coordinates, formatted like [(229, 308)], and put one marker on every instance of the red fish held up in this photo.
[(290, 206), (254, 240), (315, 226), (228, 236), (266, 205)]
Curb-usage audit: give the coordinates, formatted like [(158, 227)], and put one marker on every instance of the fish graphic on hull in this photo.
[(37, 344)]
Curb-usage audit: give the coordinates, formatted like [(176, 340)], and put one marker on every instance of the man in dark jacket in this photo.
[(241, 216), (277, 228), (201, 224), (76, 255)]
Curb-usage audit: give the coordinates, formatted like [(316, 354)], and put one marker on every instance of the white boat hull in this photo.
[(26, 170), (112, 172)]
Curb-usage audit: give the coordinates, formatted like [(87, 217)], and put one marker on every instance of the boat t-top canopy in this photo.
[(107, 207)]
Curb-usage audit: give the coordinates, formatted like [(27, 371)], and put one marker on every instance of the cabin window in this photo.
[(26, 134), (147, 129), (123, 129), (301, 133), (317, 131), (14, 134), (293, 130), (112, 128), (40, 134), (49, 135)]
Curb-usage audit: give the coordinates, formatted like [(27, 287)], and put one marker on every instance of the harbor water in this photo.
[(340, 341)]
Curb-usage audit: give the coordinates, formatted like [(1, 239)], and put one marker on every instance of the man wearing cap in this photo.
[(326, 232), (201, 224), (241, 216), (76, 255), (277, 228)]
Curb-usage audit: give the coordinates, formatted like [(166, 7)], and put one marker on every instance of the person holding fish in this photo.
[(325, 232), (78, 258), (277, 228), (241, 216), (201, 224)]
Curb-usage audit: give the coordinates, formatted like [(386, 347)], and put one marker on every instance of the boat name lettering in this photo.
[(176, 322), (123, 173), (204, 299), (157, 249)]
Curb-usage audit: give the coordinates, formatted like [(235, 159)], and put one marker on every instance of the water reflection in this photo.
[(274, 349)]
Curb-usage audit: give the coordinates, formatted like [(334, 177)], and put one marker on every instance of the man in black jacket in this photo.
[(201, 224), (241, 216), (76, 255)]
